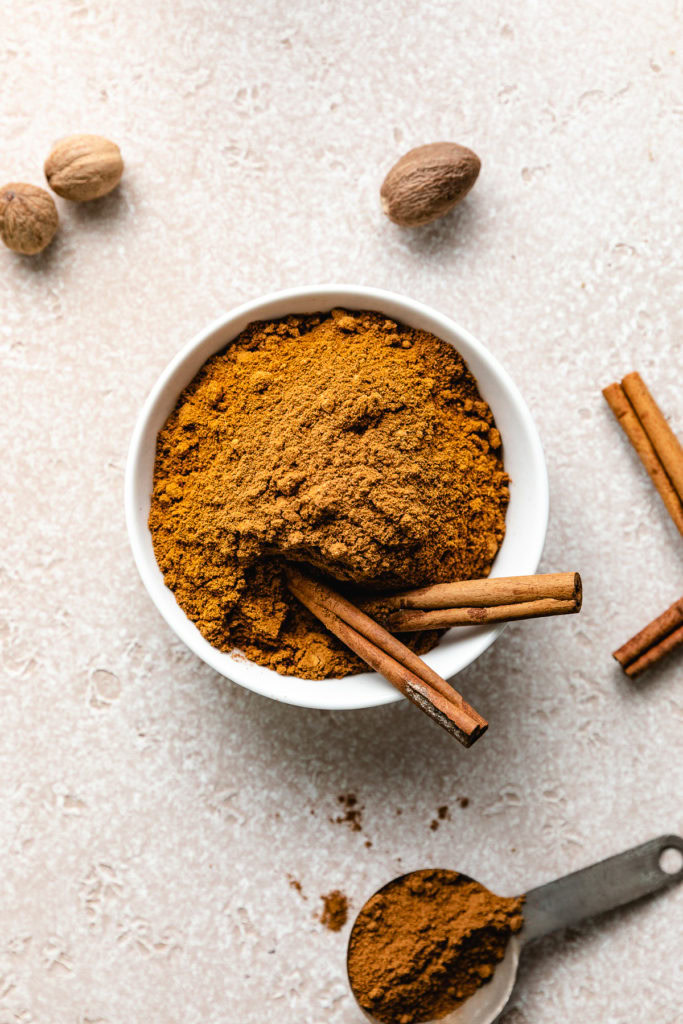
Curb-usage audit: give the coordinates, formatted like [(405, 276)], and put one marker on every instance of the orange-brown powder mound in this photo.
[(345, 441), (335, 910), (425, 943)]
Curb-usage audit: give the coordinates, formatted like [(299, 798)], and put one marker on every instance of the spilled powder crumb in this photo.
[(441, 815), (335, 910), (351, 812), (296, 885)]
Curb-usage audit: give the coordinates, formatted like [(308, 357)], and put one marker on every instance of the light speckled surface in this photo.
[(150, 811)]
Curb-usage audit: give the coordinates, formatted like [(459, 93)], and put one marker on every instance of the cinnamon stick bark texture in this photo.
[(388, 656), (628, 420), (661, 636), (656, 653), (660, 434), (477, 602), (496, 590), (408, 620)]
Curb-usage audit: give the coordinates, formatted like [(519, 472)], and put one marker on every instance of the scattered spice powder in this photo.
[(351, 814), (296, 884), (425, 943), (345, 441), (442, 814), (335, 910), (464, 801)]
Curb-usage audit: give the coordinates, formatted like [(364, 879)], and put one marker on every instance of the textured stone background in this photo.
[(151, 811)]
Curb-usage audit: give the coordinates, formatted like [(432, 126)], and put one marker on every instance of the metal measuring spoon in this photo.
[(604, 886)]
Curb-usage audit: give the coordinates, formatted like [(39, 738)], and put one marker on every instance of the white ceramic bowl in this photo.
[(527, 514)]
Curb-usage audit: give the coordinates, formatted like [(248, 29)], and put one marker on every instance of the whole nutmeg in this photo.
[(28, 217), (84, 167), (427, 182)]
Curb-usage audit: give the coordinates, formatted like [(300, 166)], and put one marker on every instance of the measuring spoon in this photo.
[(594, 890)]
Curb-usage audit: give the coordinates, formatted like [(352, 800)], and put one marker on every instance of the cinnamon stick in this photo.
[(658, 638), (492, 591), (392, 659), (656, 653), (660, 434), (632, 427), (408, 620)]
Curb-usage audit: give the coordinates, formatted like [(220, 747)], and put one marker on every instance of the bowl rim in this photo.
[(362, 690)]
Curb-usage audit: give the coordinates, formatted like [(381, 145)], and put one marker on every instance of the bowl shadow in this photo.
[(364, 746)]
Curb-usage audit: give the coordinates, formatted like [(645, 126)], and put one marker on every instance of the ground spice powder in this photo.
[(335, 910), (352, 812), (345, 441), (426, 943)]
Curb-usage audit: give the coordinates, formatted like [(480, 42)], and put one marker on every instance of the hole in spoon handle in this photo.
[(604, 886)]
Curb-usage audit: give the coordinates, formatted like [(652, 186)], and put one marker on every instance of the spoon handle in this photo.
[(603, 886)]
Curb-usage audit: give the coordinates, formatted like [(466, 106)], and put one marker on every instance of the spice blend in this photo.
[(345, 441), (425, 943), (335, 910), (352, 812)]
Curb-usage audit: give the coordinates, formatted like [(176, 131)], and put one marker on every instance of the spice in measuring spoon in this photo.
[(437, 945), (425, 943)]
